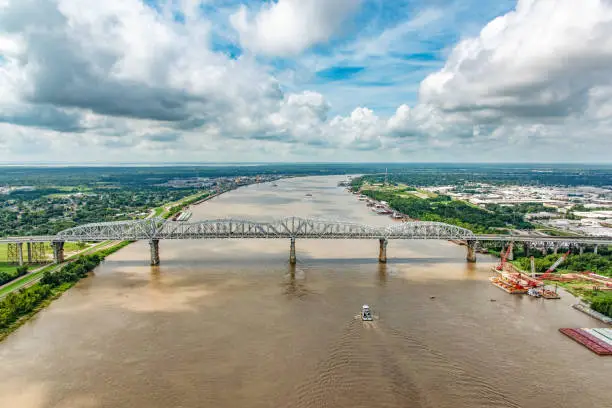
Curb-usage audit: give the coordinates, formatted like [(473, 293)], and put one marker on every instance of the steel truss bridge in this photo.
[(292, 227), (156, 229)]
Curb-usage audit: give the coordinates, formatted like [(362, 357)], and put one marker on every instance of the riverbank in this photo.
[(171, 209), (17, 308), (34, 275), (32, 282), (198, 308)]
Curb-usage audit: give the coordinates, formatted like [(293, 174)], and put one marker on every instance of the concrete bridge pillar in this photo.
[(20, 253), (471, 250), (595, 249), (29, 245), (382, 250), (154, 245), (556, 249), (292, 258), (526, 248), (581, 249), (58, 251)]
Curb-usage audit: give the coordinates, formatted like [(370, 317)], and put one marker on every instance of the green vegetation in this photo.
[(444, 209), (13, 273), (39, 214), (600, 301), (22, 281), (600, 263), (503, 174), (185, 203), (18, 306)]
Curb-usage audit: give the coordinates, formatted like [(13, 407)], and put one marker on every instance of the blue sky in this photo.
[(305, 80), (387, 48)]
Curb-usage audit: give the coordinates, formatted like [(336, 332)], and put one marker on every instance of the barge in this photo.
[(182, 216), (507, 286), (598, 341)]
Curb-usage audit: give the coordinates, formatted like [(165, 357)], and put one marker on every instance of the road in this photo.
[(34, 276)]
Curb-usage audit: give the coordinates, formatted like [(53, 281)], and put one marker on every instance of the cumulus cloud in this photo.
[(140, 82), (122, 58), (542, 60), (288, 27)]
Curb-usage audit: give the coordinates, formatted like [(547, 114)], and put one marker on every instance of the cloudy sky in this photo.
[(305, 80)]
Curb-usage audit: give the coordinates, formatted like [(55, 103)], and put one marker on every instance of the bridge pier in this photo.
[(471, 251), (581, 249), (595, 249), (58, 251), (555, 249), (382, 250), (292, 258), (29, 245), (154, 246), (20, 253), (526, 248)]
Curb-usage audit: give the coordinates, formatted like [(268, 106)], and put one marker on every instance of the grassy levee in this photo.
[(17, 307), (25, 280), (175, 208)]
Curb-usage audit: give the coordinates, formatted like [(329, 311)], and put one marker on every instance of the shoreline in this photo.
[(57, 292)]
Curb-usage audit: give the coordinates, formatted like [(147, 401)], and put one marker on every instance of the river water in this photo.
[(231, 324)]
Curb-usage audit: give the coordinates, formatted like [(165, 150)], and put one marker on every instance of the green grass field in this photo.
[(68, 247), (6, 267)]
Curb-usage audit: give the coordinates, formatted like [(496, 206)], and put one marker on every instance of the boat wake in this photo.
[(373, 365)]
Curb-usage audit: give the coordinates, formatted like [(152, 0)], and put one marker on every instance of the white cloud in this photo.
[(540, 61), (126, 79), (362, 130), (288, 27)]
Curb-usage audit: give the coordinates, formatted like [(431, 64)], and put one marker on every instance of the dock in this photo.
[(182, 216)]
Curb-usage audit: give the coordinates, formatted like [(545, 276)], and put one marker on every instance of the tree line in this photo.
[(24, 302), (444, 209), (7, 276)]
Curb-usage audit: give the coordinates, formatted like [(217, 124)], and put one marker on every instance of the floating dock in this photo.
[(598, 341), (548, 294), (507, 286)]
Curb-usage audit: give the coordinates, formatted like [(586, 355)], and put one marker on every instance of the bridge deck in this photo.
[(291, 227)]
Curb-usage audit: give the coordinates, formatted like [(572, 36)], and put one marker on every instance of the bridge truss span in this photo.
[(132, 230), (291, 227), (157, 229)]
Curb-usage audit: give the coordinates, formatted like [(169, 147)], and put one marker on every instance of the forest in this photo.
[(443, 209), (18, 304), (600, 263), (25, 302), (500, 174), (46, 200)]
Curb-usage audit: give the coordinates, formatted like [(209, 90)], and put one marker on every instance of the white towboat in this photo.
[(366, 313), (534, 292)]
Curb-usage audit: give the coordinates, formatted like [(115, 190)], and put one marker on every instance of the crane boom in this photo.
[(504, 257), (554, 266)]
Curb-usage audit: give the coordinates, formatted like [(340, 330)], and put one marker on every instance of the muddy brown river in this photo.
[(228, 323)]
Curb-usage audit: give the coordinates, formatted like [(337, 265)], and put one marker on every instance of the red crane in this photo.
[(504, 257), (554, 266)]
